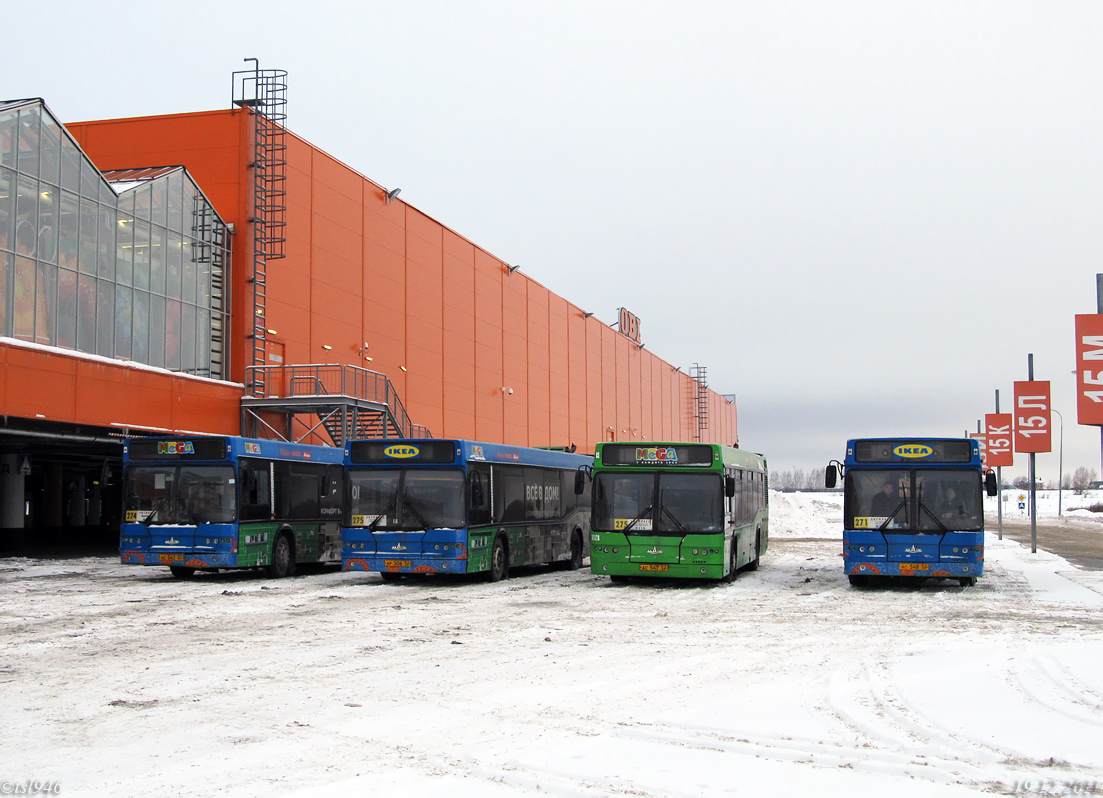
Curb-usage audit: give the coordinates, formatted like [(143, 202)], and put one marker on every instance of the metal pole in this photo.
[(1099, 309), (999, 480), (1033, 478), (1060, 459)]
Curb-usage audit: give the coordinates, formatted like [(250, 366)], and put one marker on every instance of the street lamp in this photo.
[(1060, 460)]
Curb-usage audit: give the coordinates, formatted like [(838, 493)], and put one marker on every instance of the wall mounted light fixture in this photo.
[(327, 347), (512, 269), (507, 389), (390, 195), (587, 314)]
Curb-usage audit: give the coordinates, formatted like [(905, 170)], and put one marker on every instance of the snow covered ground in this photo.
[(119, 680)]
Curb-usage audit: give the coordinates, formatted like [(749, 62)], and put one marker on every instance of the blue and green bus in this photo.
[(687, 510), (913, 507), (206, 503), (462, 507)]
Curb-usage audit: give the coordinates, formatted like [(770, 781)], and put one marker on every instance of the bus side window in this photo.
[(509, 493), (479, 476), (331, 491), (254, 491)]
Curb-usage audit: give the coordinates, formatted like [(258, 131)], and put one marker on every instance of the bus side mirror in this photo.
[(831, 477), (990, 483), (579, 482), (729, 487)]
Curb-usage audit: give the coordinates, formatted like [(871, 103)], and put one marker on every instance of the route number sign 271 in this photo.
[(1032, 426)]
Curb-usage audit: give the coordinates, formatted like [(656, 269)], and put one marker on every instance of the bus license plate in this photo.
[(167, 558), (907, 567), (646, 567), (396, 563)]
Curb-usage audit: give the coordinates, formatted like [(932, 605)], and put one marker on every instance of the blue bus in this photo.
[(913, 507), (202, 502), (461, 507)]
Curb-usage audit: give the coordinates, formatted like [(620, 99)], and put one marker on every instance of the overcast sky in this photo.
[(860, 216)]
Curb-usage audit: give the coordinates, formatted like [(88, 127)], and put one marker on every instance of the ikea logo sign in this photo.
[(402, 452), (912, 451)]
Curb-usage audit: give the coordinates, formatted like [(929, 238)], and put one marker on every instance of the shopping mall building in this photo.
[(215, 273)]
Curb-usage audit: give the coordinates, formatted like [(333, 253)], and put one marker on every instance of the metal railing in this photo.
[(332, 381)]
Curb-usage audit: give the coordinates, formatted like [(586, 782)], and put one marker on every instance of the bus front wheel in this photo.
[(753, 564), (729, 577), (283, 558), (182, 572), (499, 561)]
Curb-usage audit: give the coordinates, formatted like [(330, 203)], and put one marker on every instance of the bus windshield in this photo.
[(172, 494), (649, 502), (919, 500), (410, 499)]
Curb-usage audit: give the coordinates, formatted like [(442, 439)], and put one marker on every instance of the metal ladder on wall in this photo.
[(264, 93), (208, 250), (700, 398)]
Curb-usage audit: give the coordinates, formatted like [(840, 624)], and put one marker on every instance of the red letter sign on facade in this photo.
[(997, 426), (1089, 369), (1032, 431)]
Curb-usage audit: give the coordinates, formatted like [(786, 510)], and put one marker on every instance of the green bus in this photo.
[(687, 510)]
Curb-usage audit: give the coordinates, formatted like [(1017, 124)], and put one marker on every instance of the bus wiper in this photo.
[(662, 509), (382, 515), (922, 506), (191, 511), (155, 509), (892, 515), (639, 517), (941, 525), (409, 505)]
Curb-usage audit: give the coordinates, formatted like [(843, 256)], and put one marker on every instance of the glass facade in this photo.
[(126, 264)]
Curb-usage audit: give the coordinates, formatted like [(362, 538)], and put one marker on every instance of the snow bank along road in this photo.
[(122, 681)]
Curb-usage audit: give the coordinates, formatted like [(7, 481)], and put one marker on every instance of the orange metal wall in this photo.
[(359, 269), (43, 384)]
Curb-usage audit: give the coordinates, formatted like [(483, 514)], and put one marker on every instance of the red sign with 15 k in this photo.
[(997, 428)]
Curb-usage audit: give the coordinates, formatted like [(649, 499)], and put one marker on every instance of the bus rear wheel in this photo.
[(858, 580), (390, 576), (283, 558), (967, 581), (499, 561), (182, 572), (575, 562), (753, 564)]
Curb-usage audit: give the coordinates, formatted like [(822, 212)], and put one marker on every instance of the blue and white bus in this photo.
[(461, 507), (199, 502), (913, 507)]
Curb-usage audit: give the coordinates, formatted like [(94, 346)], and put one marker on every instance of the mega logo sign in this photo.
[(997, 428), (1089, 369), (1032, 427)]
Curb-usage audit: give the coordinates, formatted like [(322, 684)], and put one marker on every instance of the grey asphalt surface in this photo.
[(1078, 541)]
